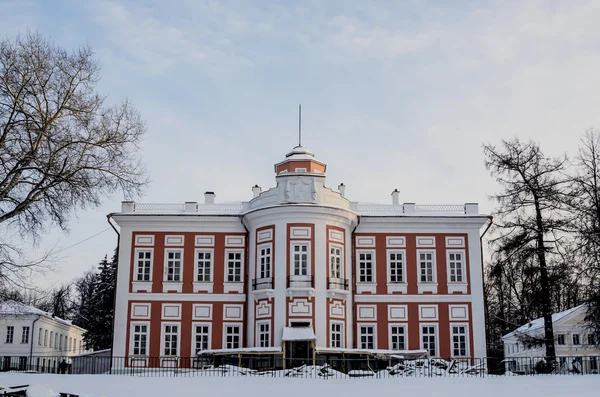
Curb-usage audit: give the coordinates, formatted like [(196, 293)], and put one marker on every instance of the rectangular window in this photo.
[(51, 339), (202, 337), (144, 265), (10, 334), (455, 264), (591, 340), (426, 267), (40, 337), (335, 262), (171, 340), (336, 334), (56, 340), (25, 335), (367, 337), (70, 344), (594, 363), (173, 265), (264, 334), (203, 266), (428, 340), (576, 339), (232, 336), (300, 259), (396, 266), (560, 340), (365, 267), (60, 343), (140, 339), (265, 262), (45, 337), (459, 340), (397, 337), (234, 266)]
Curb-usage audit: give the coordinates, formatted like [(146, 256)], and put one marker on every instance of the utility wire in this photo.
[(82, 241)]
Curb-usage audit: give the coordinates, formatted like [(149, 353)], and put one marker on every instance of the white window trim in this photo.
[(341, 248), (362, 286), (204, 286), (573, 339), (258, 257), (427, 286), (142, 285), (395, 286), (204, 324), (163, 325), (359, 333), (457, 286), (257, 333), (308, 256), (403, 325), (241, 327), (437, 337), (343, 334), (131, 339), (467, 336), (234, 286)]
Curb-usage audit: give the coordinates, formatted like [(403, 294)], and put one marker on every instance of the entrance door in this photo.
[(298, 353)]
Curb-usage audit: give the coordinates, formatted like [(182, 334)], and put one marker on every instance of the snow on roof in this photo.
[(241, 350), (91, 353), (298, 333), (11, 307), (539, 322)]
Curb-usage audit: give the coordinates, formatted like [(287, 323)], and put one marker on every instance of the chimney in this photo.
[(209, 197), (395, 199), (342, 189), (256, 191)]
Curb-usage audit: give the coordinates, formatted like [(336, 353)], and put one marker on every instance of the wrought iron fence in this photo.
[(321, 366)]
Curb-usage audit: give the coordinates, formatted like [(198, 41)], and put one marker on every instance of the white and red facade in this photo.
[(237, 275)]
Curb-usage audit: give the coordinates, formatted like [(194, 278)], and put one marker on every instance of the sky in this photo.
[(395, 94)]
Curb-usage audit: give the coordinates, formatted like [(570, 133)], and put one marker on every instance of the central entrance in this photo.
[(299, 345)]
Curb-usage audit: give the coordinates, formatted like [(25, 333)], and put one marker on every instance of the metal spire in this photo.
[(299, 125)]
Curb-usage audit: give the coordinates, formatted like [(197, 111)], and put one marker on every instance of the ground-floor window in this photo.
[(397, 337), (264, 334), (171, 340), (428, 340), (202, 337), (140, 339), (336, 334), (366, 336), (232, 336), (459, 340)]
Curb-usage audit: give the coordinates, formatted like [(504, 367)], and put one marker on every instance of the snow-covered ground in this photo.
[(128, 386)]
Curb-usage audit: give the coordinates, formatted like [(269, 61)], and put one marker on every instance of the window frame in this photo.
[(404, 326), (40, 336), (334, 246), (342, 333), (195, 334), (132, 338), (241, 334), (259, 270), (433, 266), (25, 337), (436, 335), (388, 253), (467, 340), (360, 334), (463, 266), (578, 339), (301, 243), (211, 267), (136, 264), (226, 267), (45, 338), (166, 265), (373, 266), (561, 339), (10, 332), (163, 334), (259, 333)]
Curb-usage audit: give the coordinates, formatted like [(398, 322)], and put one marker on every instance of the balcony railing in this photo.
[(337, 283), (301, 281), (262, 283)]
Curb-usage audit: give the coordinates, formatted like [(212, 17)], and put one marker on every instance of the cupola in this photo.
[(300, 160)]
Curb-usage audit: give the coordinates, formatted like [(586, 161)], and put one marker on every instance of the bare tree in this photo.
[(62, 147), (529, 217), (584, 204)]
